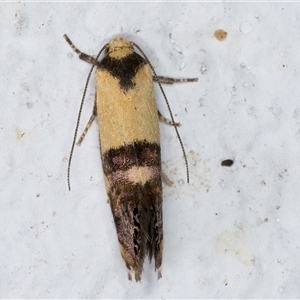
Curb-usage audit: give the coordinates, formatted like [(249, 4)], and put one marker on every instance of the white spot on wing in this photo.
[(136, 174)]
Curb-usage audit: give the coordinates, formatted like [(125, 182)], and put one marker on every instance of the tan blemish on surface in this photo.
[(19, 133), (233, 241), (220, 35)]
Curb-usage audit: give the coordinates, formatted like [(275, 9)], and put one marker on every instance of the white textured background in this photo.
[(232, 232)]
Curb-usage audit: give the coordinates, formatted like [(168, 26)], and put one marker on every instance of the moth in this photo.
[(128, 121)]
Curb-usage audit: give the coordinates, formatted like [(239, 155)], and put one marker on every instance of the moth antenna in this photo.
[(81, 106), (170, 112)]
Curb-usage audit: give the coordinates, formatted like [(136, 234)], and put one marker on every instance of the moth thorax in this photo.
[(119, 48)]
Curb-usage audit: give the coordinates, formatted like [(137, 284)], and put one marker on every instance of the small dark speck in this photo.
[(277, 207), (266, 220), (227, 163), (37, 195)]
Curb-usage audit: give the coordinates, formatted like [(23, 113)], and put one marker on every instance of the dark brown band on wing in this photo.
[(139, 154)]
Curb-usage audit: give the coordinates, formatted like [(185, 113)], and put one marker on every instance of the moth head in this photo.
[(118, 48)]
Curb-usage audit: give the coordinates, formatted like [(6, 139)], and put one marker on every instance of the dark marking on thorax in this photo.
[(123, 69)]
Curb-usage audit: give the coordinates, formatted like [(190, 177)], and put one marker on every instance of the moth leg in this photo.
[(168, 80), (167, 121), (166, 180), (89, 59), (89, 124)]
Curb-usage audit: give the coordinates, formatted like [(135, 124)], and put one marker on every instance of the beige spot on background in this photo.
[(234, 241), (220, 35), (19, 133)]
